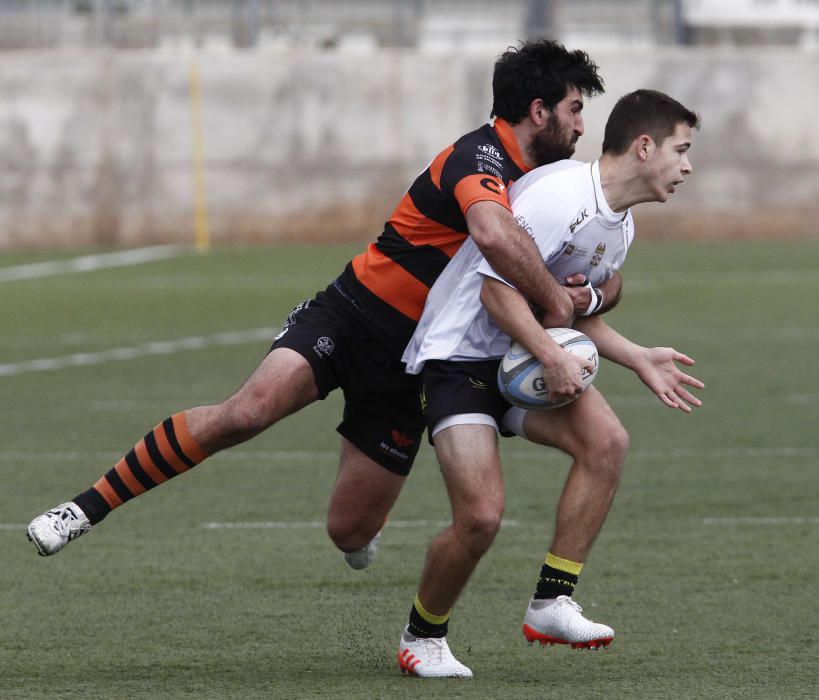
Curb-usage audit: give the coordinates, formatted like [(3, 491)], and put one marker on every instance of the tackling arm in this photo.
[(511, 312), (515, 257)]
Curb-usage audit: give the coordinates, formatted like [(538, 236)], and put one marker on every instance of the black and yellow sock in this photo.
[(557, 577), (424, 624), (167, 451)]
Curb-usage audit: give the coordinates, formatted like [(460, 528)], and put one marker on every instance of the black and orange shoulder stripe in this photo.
[(429, 224)]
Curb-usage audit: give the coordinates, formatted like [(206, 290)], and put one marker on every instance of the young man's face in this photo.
[(669, 162), (556, 140)]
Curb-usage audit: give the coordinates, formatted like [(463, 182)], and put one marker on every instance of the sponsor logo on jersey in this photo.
[(628, 232), (573, 250), (402, 439), (393, 451), (490, 160), (491, 169), (521, 221), (581, 217), (491, 151), (324, 346), (291, 317), (493, 185)]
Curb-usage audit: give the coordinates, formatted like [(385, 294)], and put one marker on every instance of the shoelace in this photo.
[(437, 648), (67, 524), (566, 600)]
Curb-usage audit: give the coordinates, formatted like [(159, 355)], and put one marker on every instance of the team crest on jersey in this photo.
[(599, 252), (324, 346)]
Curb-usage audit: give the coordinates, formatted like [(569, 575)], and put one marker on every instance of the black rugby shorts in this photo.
[(452, 387), (382, 409)]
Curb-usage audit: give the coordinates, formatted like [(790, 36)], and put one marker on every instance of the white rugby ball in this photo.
[(521, 378)]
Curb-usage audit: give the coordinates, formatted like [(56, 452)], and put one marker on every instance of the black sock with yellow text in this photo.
[(557, 577), (424, 624)]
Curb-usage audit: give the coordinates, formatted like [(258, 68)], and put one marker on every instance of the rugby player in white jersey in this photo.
[(578, 214)]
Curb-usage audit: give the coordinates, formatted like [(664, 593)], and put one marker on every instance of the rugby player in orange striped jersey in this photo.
[(352, 334)]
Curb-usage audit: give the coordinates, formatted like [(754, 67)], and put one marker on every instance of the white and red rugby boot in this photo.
[(428, 657), (559, 621)]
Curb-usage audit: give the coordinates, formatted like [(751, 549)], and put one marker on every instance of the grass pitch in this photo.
[(707, 567)]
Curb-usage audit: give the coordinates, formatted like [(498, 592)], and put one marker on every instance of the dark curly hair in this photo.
[(540, 69)]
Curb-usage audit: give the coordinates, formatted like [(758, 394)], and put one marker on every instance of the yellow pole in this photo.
[(200, 192)]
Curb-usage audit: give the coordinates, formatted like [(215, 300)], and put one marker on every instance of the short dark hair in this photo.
[(540, 69), (644, 112)]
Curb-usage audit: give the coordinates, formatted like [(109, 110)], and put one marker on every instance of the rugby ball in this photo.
[(521, 378)]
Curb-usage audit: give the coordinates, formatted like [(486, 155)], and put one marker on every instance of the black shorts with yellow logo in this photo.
[(454, 387)]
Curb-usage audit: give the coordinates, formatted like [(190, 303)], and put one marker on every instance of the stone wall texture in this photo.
[(97, 147)]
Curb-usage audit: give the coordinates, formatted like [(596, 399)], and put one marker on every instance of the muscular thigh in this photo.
[(470, 463), (571, 427), (382, 411)]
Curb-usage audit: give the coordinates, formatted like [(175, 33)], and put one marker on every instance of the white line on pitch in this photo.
[(315, 524), (773, 520), (750, 452), (89, 263), (163, 347), (285, 455)]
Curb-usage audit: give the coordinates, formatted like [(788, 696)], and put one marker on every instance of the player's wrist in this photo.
[(597, 299)]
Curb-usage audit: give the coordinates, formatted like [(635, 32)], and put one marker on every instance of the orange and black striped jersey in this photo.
[(391, 279)]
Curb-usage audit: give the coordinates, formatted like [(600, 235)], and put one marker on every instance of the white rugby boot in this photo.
[(55, 528), (362, 558), (558, 621), (428, 657)]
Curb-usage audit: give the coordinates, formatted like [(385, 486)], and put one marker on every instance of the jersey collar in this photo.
[(603, 208), (510, 144)]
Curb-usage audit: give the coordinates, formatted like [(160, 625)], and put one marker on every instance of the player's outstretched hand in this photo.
[(659, 373)]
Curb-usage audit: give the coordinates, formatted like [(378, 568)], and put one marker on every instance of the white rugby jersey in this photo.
[(562, 207)]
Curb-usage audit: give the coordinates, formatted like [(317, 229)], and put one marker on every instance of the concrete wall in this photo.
[(97, 147)]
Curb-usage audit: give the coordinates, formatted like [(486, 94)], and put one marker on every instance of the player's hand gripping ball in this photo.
[(521, 378)]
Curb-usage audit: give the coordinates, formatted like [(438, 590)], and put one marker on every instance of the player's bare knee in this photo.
[(477, 529), (607, 453), (351, 535)]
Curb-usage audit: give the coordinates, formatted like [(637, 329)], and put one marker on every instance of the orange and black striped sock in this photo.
[(167, 451)]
